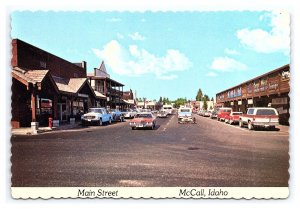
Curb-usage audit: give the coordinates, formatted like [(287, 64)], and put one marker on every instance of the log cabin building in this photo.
[(268, 90), (44, 85)]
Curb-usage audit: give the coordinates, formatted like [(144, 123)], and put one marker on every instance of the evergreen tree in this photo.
[(199, 95)]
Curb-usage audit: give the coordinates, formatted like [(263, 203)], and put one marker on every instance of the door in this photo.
[(62, 111)]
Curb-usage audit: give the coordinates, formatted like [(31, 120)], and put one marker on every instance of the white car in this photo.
[(162, 114), (129, 113), (266, 117), (97, 116)]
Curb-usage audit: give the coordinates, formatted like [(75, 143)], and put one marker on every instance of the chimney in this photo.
[(83, 65)]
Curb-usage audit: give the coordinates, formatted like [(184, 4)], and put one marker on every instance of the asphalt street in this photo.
[(209, 153)]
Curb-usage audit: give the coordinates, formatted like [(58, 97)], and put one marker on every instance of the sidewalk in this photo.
[(28, 130)]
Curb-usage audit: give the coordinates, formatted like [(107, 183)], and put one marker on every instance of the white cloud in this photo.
[(114, 19), (231, 52), (211, 74), (136, 62), (137, 36), (275, 40), (226, 64), (120, 36)]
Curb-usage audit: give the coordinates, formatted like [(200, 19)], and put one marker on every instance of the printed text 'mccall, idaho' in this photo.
[(203, 193)]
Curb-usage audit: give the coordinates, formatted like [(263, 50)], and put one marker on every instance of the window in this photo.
[(265, 112), (250, 111), (43, 64)]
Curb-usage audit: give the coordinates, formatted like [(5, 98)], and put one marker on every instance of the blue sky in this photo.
[(164, 54)]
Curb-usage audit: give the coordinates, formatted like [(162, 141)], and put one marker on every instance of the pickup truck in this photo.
[(266, 117), (97, 116), (185, 115)]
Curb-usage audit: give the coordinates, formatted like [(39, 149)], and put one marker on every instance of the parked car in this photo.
[(213, 114), (129, 113), (117, 115), (223, 112), (233, 118), (185, 115), (201, 112), (96, 116), (168, 109), (162, 114), (207, 113), (143, 120), (266, 117)]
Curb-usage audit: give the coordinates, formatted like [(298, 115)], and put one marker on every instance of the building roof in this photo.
[(35, 77), (98, 94), (258, 77), (129, 101), (30, 76), (71, 85), (114, 83)]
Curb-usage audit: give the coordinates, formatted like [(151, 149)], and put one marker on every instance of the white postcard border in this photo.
[(151, 192)]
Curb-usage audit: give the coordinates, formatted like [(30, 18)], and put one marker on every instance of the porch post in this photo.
[(55, 113), (33, 105)]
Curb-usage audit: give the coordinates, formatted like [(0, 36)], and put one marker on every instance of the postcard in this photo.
[(150, 104)]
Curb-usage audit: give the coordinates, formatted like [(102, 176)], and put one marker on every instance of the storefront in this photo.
[(268, 90), (33, 96), (76, 96)]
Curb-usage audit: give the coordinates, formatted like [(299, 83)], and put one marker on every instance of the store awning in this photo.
[(99, 95), (129, 101)]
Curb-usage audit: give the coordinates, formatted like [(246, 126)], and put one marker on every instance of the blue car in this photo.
[(117, 115), (96, 116)]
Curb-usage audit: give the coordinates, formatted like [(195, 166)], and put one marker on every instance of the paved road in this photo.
[(209, 153)]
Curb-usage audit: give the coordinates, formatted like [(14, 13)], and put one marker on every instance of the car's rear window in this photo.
[(265, 112), (185, 110), (143, 116)]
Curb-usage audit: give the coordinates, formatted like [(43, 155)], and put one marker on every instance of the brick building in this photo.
[(270, 89), (44, 85)]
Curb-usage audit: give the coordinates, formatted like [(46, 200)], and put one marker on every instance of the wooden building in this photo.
[(110, 90), (44, 85), (268, 90)]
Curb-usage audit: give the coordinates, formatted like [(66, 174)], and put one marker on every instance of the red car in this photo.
[(223, 112), (143, 120), (233, 117)]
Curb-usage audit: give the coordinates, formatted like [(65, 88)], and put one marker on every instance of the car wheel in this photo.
[(109, 121), (250, 126), (100, 122), (272, 128), (218, 119), (241, 124), (230, 122), (153, 126), (122, 119), (133, 128)]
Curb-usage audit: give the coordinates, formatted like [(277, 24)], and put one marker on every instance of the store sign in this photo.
[(273, 86), (237, 92), (250, 101), (83, 95), (285, 75), (282, 100)]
